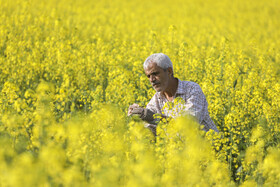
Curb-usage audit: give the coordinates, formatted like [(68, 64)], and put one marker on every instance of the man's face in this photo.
[(158, 77)]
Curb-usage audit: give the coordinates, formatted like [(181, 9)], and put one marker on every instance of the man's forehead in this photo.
[(152, 67)]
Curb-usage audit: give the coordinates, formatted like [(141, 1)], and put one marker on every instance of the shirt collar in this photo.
[(180, 89)]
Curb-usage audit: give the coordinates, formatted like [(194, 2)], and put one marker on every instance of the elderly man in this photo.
[(159, 70)]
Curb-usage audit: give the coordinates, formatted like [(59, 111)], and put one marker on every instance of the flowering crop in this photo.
[(70, 69)]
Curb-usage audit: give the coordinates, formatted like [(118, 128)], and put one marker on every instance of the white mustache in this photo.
[(153, 84)]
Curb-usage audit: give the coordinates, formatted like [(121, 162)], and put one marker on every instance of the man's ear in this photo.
[(170, 71)]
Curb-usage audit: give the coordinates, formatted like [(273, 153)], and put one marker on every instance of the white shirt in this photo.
[(195, 105)]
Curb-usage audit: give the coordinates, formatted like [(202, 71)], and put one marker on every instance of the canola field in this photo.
[(69, 69)]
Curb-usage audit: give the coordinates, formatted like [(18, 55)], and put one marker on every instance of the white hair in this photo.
[(160, 59)]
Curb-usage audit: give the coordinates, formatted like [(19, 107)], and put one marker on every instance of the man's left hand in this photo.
[(135, 109), (144, 113)]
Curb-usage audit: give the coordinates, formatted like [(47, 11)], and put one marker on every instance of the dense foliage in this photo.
[(70, 69)]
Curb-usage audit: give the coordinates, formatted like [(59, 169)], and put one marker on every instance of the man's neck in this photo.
[(170, 92)]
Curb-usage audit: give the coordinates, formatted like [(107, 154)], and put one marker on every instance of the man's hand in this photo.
[(144, 113), (135, 109)]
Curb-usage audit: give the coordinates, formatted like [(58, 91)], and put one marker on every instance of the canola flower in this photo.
[(69, 70)]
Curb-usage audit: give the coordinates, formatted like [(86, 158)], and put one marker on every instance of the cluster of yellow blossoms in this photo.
[(70, 69)]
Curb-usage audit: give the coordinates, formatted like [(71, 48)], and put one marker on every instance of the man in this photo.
[(159, 70)]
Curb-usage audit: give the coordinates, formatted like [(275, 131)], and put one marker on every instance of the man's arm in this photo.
[(144, 113), (151, 109), (196, 104)]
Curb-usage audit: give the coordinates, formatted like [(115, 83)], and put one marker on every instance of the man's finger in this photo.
[(133, 106), (129, 112), (133, 109), (137, 110)]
